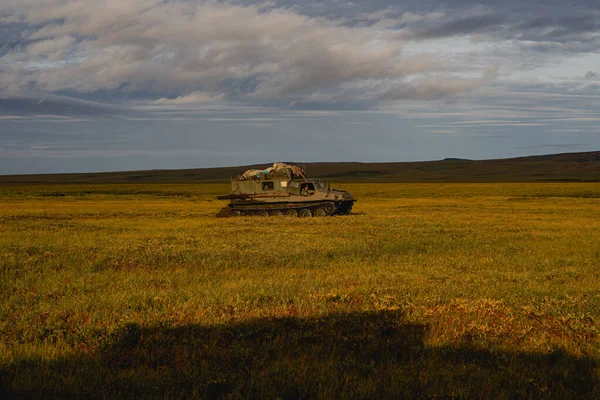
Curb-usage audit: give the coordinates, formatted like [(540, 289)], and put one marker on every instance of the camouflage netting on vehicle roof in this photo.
[(278, 167)]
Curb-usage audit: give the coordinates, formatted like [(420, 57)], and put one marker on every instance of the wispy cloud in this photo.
[(461, 26), (47, 105), (197, 97)]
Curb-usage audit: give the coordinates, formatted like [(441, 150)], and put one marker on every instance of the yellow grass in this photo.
[(426, 290)]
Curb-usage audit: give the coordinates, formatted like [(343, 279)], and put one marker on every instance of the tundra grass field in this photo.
[(425, 290)]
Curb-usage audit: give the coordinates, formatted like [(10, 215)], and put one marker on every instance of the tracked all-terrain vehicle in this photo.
[(283, 190)]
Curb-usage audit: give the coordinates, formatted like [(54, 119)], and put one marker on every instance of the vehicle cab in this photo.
[(306, 188)]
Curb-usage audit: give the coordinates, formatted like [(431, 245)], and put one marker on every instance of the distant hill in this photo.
[(576, 167)]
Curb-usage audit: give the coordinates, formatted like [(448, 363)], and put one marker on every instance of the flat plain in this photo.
[(462, 290)]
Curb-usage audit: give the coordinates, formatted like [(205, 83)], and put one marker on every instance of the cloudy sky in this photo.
[(104, 85)]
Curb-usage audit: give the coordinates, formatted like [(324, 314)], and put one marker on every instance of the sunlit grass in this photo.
[(509, 270)]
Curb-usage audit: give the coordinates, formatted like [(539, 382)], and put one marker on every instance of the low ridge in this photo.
[(577, 167)]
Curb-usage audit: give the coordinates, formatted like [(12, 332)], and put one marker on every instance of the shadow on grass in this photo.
[(355, 355)]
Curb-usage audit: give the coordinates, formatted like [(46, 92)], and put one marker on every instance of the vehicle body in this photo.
[(283, 190)]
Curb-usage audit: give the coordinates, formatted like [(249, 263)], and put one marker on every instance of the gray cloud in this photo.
[(37, 104), (591, 75), (314, 54), (182, 49), (558, 27), (553, 26), (575, 33), (432, 88), (461, 26)]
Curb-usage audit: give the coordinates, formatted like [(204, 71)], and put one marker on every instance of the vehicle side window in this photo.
[(268, 186), (307, 189)]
